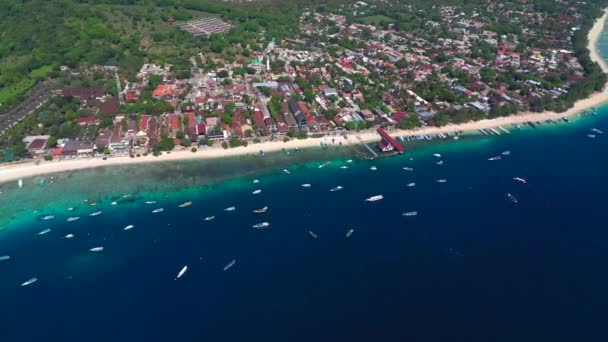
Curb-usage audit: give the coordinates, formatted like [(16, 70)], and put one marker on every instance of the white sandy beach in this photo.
[(12, 172)]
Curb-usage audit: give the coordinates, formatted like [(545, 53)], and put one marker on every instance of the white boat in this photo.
[(256, 192), (306, 185), (30, 281), (441, 181), (344, 167), (339, 187), (256, 181), (261, 210), (229, 265), (520, 180), (96, 249), (373, 168), (4, 257), (150, 202), (437, 155), (127, 196), (374, 198), (48, 217), (261, 225), (97, 213), (46, 231), (70, 209), (595, 130), (439, 162), (349, 161), (69, 236), (129, 227), (506, 153), (182, 272), (209, 218), (411, 185), (159, 210), (313, 234), (230, 209), (408, 168), (495, 158), (20, 183), (72, 219), (410, 213), (591, 136), (349, 233), (185, 204), (114, 203), (286, 171)]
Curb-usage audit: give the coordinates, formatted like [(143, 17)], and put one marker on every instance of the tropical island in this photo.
[(122, 82)]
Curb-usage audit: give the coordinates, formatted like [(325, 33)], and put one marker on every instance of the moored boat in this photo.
[(261, 225), (410, 213), (96, 249), (29, 281), (229, 265), (411, 185), (313, 234), (374, 198), (306, 185), (209, 218), (129, 227), (182, 272), (46, 231), (255, 192), (230, 209), (339, 187), (261, 210), (72, 219), (512, 198), (97, 213), (159, 210), (495, 158), (349, 233), (185, 204), (520, 180)]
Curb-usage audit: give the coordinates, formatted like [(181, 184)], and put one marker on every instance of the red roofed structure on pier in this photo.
[(388, 143)]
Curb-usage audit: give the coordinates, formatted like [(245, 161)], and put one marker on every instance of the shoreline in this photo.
[(13, 172)]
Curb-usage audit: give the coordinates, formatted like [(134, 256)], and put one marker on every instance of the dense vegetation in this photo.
[(38, 36)]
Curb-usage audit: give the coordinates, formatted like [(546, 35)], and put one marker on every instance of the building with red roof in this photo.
[(388, 143)]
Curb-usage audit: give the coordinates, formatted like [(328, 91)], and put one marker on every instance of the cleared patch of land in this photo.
[(206, 26)]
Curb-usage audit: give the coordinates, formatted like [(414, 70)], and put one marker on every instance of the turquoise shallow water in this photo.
[(470, 266)]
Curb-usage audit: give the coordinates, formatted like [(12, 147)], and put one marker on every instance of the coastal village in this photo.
[(340, 75)]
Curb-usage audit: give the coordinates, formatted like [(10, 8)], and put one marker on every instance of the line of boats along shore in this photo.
[(499, 130), (261, 225)]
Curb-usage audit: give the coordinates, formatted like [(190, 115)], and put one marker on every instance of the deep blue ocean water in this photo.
[(470, 267)]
